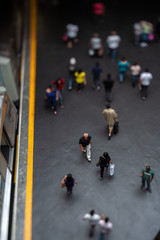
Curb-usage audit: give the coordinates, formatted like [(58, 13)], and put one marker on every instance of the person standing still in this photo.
[(123, 65), (145, 78), (110, 116), (93, 219), (113, 41), (96, 71), (147, 175), (108, 85), (103, 162), (85, 145)]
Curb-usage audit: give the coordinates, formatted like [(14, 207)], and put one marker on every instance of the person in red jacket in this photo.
[(59, 86)]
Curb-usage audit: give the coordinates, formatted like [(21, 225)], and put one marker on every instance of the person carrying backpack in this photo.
[(103, 162)]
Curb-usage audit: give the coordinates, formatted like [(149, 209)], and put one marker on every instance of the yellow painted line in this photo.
[(29, 184), (15, 172)]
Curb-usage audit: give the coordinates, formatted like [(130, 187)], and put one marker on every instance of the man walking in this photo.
[(85, 145), (113, 41), (110, 116), (108, 85), (92, 218), (145, 79), (147, 175)]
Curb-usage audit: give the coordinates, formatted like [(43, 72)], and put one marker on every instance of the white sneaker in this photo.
[(89, 159)]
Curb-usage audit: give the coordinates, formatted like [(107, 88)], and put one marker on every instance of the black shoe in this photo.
[(149, 190), (142, 186), (109, 137)]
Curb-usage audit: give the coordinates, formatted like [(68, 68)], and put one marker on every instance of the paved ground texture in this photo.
[(133, 212)]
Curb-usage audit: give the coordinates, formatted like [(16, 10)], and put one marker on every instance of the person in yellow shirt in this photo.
[(80, 78)]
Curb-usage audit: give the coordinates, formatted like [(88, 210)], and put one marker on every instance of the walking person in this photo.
[(137, 30), (68, 181), (145, 78), (123, 65), (72, 34), (113, 41), (105, 227), (59, 86), (96, 71), (103, 162), (135, 73), (96, 46), (93, 219), (80, 78), (71, 70), (98, 9), (147, 175), (85, 145), (52, 95), (108, 85), (111, 117)]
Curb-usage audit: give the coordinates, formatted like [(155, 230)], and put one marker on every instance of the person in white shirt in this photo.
[(135, 73), (72, 34), (105, 227), (113, 41), (93, 219), (96, 45), (145, 78)]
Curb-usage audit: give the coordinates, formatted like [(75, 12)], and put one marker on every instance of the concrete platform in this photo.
[(134, 213)]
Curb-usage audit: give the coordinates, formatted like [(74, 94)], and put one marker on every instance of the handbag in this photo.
[(151, 37), (64, 38), (63, 182)]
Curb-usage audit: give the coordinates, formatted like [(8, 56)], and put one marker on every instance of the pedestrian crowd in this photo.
[(143, 33)]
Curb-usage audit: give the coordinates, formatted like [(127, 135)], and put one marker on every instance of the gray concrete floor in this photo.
[(134, 213)]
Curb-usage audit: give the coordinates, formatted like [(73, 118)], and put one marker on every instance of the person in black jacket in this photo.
[(108, 85), (103, 162)]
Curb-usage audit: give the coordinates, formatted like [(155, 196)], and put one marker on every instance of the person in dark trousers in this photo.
[(71, 68), (59, 86), (147, 175), (93, 219), (52, 97), (69, 183), (85, 145), (145, 79), (108, 85), (96, 71), (103, 162)]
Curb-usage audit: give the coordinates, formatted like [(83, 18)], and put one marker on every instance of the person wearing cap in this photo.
[(85, 145), (147, 175), (71, 70), (110, 116)]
